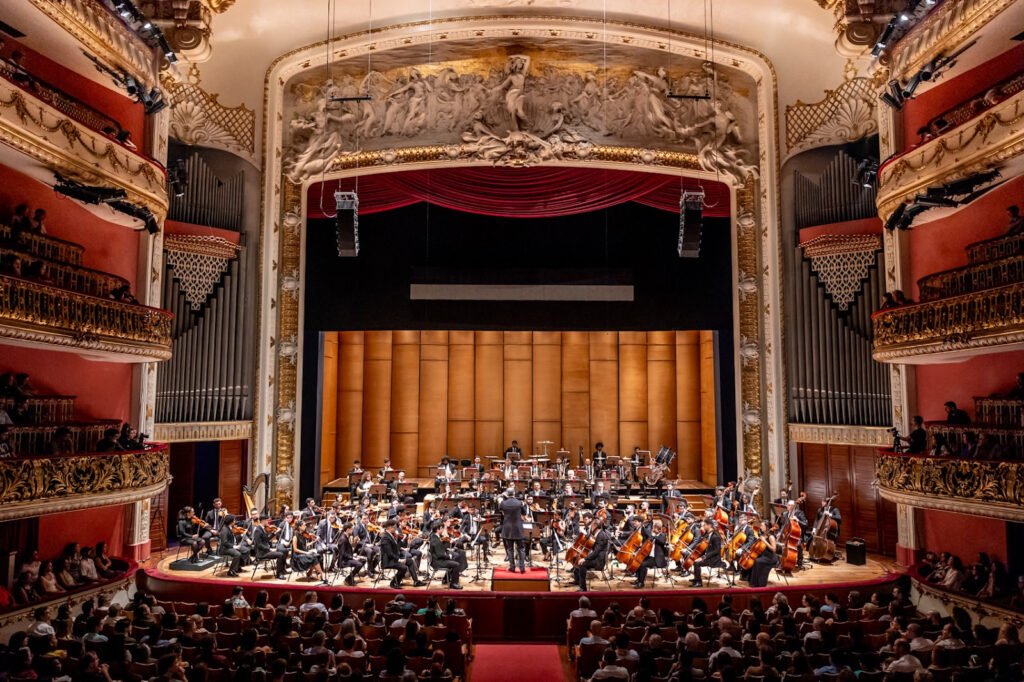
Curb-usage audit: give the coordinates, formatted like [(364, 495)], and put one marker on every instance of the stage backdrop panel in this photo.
[(416, 396)]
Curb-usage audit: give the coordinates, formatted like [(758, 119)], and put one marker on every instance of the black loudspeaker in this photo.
[(856, 551)]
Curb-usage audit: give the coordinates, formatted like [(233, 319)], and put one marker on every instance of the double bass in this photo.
[(826, 532), (789, 543)]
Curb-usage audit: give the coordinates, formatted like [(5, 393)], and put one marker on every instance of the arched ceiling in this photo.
[(797, 36)]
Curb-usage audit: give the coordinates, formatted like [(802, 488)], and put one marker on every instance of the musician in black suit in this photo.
[(231, 545), (346, 556), (659, 554), (391, 556), (599, 457), (712, 557), (596, 558), (266, 547), (513, 451), (215, 517), (188, 533), (512, 534), (441, 558), (794, 512)]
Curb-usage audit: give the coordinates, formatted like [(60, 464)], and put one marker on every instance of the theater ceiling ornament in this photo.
[(523, 91)]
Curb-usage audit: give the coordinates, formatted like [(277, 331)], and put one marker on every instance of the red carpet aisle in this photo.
[(516, 663)]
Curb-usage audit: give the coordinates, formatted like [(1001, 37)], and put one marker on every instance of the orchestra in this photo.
[(604, 516)]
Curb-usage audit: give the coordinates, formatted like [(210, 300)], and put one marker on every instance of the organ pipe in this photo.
[(208, 199)]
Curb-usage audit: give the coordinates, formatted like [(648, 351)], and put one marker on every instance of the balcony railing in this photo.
[(31, 486), (35, 312), (980, 320), (70, 277), (971, 278), (44, 246), (45, 409), (999, 411), (34, 439), (996, 248), (994, 489)]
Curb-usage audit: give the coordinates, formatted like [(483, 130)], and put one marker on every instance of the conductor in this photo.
[(512, 534)]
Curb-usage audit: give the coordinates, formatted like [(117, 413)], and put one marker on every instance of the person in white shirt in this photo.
[(87, 567), (918, 643), (905, 661), (609, 669), (40, 625), (584, 611), (948, 638), (725, 649), (310, 603), (594, 634)]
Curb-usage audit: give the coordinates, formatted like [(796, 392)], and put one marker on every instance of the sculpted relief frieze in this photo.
[(524, 108)]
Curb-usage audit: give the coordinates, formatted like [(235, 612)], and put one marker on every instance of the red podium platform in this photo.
[(534, 580)]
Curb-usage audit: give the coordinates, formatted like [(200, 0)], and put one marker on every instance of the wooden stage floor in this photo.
[(815, 576)]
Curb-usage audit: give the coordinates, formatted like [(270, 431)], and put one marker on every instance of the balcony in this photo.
[(951, 329), (32, 486), (951, 484), (43, 132), (33, 314), (994, 139)]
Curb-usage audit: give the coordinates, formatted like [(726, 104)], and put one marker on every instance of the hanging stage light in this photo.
[(347, 223), (691, 221)]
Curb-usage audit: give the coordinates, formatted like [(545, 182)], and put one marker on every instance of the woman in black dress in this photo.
[(305, 557), (764, 564)]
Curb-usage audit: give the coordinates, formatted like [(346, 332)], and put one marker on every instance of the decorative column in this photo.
[(908, 536), (137, 529)]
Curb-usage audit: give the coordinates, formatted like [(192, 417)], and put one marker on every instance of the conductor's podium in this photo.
[(534, 580)]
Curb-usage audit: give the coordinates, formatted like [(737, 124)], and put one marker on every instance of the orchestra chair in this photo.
[(265, 562), (380, 575), (432, 573), (309, 660), (588, 659)]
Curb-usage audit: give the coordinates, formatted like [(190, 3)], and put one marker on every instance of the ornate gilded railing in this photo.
[(977, 320), (60, 100), (44, 246), (71, 277), (971, 278), (993, 489), (999, 411), (35, 485), (45, 408), (994, 249), (30, 311), (1009, 438)]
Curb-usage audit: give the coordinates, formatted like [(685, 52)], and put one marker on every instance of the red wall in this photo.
[(102, 388), (119, 107), (939, 245), (963, 535), (943, 97), (86, 527), (108, 247), (962, 381)]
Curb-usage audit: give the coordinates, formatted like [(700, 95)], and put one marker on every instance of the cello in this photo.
[(789, 541), (695, 550), (826, 532), (580, 549), (634, 550), (682, 535)]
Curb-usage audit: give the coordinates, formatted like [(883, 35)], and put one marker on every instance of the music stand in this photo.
[(391, 475), (479, 553), (377, 490), (407, 489)]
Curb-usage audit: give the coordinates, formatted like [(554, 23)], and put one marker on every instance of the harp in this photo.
[(249, 494)]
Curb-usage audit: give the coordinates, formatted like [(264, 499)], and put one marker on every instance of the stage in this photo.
[(519, 614)]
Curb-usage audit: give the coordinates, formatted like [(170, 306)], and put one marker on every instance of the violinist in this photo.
[(310, 510), (659, 553), (362, 532), (391, 556), (471, 521), (266, 547), (597, 557), (215, 517), (304, 554), (346, 556), (328, 533), (712, 557), (453, 561), (232, 545), (286, 524), (189, 533)]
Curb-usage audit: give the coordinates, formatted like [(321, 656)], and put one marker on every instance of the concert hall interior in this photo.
[(512, 339)]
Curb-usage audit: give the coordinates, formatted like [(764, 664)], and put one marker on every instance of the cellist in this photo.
[(712, 557), (794, 512), (659, 554), (597, 557)]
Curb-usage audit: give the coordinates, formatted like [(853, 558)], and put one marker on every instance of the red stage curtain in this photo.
[(517, 192)]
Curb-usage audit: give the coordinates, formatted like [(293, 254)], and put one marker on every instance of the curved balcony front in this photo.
[(37, 315), (34, 486), (951, 329), (993, 489)]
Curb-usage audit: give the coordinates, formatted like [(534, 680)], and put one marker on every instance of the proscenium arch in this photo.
[(754, 212)]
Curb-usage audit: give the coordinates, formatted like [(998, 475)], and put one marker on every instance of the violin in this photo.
[(199, 522), (237, 530), (309, 536), (271, 529)]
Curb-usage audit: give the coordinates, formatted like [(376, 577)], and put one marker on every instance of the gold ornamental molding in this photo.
[(992, 489), (198, 118), (761, 426), (982, 609), (995, 137), (38, 315), (828, 434), (61, 144), (941, 31), (201, 431), (103, 34), (984, 321), (47, 485), (845, 114)]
